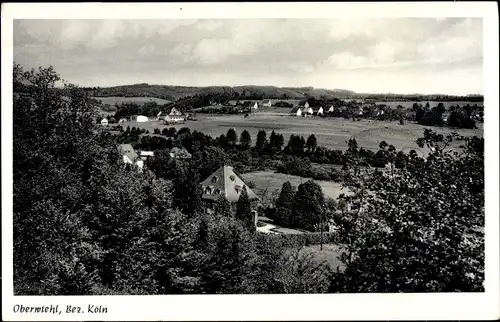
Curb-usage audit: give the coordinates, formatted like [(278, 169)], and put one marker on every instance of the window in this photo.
[(217, 192), (232, 178), (208, 191), (214, 179)]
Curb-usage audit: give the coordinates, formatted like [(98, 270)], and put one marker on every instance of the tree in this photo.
[(418, 232), (231, 137), (401, 160), (187, 190), (156, 131), (308, 206), (244, 210), (172, 132), (284, 205), (276, 141), (245, 140), (312, 143), (223, 207), (261, 140), (296, 145)]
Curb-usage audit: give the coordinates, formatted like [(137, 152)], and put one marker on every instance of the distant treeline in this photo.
[(261, 92)]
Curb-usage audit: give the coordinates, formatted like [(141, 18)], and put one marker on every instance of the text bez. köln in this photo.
[(54, 309)]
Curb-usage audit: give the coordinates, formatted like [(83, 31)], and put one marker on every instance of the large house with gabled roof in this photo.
[(227, 183)]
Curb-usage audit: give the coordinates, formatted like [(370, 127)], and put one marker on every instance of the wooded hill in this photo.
[(174, 93), (250, 92)]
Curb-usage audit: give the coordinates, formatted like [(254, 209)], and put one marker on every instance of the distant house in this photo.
[(267, 104), (180, 154), (142, 118), (144, 155), (122, 120), (158, 116), (330, 110), (130, 157), (319, 111), (175, 112), (104, 122), (174, 119), (299, 112), (306, 105), (307, 110), (256, 106), (227, 183)]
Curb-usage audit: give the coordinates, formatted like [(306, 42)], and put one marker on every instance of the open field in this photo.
[(271, 182), (112, 100), (330, 132)]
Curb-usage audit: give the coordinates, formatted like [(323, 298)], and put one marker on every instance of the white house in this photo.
[(267, 104), (142, 118), (104, 122), (310, 111), (146, 154), (330, 110), (299, 112), (122, 120), (320, 111), (158, 116), (174, 119), (256, 106), (306, 106)]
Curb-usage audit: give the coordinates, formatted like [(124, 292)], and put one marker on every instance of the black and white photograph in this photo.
[(230, 155)]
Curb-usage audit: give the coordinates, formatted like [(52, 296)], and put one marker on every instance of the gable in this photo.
[(225, 181)]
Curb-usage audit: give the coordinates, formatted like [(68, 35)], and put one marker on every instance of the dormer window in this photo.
[(214, 179), (208, 191), (232, 178), (217, 192)]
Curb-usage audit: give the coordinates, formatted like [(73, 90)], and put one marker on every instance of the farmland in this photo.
[(330, 132), (270, 182)]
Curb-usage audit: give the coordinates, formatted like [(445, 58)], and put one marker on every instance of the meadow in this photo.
[(270, 182), (330, 132)]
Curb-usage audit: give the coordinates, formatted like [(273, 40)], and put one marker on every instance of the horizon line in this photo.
[(288, 86)]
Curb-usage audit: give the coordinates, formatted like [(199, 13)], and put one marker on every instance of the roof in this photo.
[(128, 151), (226, 181)]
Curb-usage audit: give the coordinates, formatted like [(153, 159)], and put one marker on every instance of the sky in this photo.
[(366, 55)]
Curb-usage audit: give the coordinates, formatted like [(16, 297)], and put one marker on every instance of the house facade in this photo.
[(174, 119), (267, 104), (142, 118), (104, 122)]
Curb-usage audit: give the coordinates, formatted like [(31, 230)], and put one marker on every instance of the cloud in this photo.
[(246, 50)]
